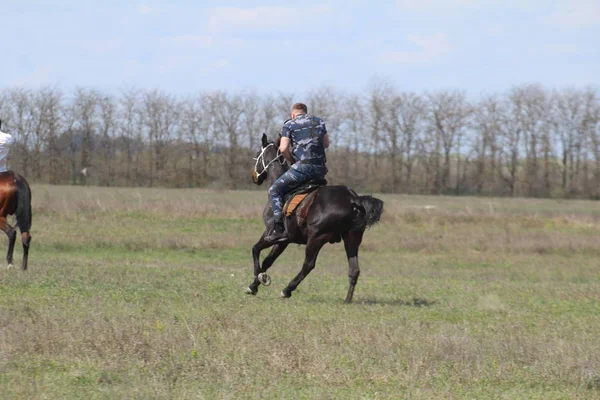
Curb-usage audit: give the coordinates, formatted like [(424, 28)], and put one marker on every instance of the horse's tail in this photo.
[(23, 212), (368, 211)]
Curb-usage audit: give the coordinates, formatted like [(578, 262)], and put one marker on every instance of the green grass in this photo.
[(138, 293)]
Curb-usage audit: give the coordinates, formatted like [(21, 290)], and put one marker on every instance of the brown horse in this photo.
[(15, 199)]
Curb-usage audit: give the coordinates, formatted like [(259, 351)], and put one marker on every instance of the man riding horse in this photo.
[(329, 214), (307, 137)]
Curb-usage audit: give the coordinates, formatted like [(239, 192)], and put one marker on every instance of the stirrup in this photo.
[(275, 237)]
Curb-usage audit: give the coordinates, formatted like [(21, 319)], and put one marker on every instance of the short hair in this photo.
[(300, 107)]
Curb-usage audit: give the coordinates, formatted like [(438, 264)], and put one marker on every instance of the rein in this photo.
[(261, 158)]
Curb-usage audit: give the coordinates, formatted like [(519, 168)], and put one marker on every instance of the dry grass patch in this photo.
[(138, 293)]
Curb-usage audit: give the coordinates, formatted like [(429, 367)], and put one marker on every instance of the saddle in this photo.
[(294, 198)]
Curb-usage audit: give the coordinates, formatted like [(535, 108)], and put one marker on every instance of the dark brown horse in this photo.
[(328, 215), (15, 199)]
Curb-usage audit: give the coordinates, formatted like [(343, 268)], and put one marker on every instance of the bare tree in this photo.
[(22, 113), (403, 125), (86, 121), (283, 104), (229, 112), (378, 96), (511, 141), (160, 118), (391, 135), (568, 112), (129, 121), (258, 117), (48, 125), (591, 125), (197, 120), (530, 108), (449, 113), (327, 102), (355, 126), (107, 129), (487, 121)]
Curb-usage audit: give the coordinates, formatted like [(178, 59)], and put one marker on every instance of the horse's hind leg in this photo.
[(352, 242), (313, 247), (26, 239), (12, 237)]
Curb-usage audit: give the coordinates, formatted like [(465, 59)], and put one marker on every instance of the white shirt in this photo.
[(6, 141)]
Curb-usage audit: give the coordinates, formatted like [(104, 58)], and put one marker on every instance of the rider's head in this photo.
[(298, 109)]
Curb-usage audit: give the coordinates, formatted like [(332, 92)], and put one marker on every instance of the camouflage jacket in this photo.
[(306, 136)]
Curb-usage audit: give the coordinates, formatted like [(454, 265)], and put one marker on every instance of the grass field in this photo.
[(138, 294)]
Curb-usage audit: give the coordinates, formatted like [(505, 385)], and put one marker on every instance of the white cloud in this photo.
[(91, 46), (560, 49), (203, 41), (431, 49), (39, 76), (179, 62), (173, 62), (265, 18), (131, 68), (460, 6), (191, 41), (235, 43), (144, 9), (218, 64), (429, 5), (495, 29), (576, 13)]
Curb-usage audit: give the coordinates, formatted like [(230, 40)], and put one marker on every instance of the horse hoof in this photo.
[(10, 266), (250, 291), (282, 295), (264, 279)]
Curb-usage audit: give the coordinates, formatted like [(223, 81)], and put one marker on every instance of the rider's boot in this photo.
[(278, 234)]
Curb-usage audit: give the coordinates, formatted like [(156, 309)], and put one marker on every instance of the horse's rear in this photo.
[(336, 213), (15, 199), (340, 210)]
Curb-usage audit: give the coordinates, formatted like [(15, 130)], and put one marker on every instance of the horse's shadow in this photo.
[(414, 302)]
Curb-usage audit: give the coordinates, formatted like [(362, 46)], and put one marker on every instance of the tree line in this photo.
[(527, 141)]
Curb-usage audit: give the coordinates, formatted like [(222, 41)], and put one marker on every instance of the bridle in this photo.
[(261, 159)]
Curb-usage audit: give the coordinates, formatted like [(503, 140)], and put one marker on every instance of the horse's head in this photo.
[(268, 157)]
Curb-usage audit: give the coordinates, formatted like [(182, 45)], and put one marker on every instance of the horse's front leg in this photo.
[(261, 276), (256, 249), (268, 262)]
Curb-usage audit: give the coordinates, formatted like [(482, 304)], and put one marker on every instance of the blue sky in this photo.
[(187, 46)]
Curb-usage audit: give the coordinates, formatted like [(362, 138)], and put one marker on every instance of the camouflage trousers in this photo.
[(293, 178)]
